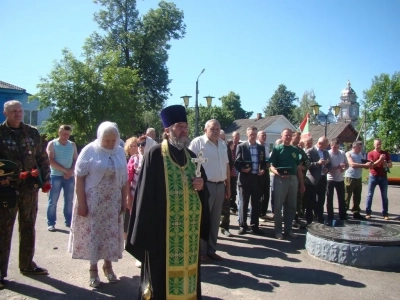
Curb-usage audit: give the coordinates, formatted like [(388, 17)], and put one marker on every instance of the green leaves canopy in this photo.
[(84, 94), (382, 105), (281, 103)]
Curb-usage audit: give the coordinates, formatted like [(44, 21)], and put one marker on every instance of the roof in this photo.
[(5, 85), (241, 125), (345, 132)]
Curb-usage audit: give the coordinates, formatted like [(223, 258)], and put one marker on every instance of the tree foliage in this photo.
[(86, 93), (122, 76), (224, 117), (304, 107), (281, 103), (382, 105), (143, 42), (232, 103)]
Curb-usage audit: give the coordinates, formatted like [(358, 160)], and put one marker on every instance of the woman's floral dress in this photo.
[(99, 235)]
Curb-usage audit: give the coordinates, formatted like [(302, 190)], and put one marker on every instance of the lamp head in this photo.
[(209, 100), (336, 110), (315, 108), (186, 100)]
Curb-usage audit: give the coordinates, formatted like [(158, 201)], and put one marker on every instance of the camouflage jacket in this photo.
[(26, 150)]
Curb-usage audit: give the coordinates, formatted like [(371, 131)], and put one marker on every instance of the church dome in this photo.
[(348, 91)]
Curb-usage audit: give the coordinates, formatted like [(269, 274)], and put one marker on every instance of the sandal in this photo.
[(35, 271), (109, 273), (94, 278)]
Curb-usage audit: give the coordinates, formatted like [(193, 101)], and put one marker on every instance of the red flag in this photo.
[(304, 122)]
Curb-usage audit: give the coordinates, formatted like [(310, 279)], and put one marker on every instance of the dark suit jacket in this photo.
[(243, 155), (314, 172)]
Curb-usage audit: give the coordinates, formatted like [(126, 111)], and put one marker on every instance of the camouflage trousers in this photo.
[(27, 207)]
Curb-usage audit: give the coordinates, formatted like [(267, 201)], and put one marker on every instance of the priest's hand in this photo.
[(198, 183)]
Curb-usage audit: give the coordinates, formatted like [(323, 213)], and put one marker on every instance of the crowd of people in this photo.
[(165, 203)]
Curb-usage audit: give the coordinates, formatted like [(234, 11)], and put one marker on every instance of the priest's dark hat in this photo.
[(173, 114)]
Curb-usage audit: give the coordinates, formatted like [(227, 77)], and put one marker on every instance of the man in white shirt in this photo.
[(336, 181), (218, 182)]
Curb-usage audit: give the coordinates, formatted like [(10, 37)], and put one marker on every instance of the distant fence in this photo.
[(395, 157)]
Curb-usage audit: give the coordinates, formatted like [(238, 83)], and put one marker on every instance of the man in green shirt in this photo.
[(288, 178)]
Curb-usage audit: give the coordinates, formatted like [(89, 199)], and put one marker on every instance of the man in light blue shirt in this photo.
[(62, 156)]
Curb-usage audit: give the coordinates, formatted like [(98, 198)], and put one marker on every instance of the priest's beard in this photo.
[(178, 142)]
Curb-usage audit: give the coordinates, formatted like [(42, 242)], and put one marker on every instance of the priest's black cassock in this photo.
[(147, 226)]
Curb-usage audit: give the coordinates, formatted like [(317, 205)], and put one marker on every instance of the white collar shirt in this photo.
[(217, 157)]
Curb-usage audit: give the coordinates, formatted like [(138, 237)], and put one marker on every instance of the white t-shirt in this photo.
[(336, 159)]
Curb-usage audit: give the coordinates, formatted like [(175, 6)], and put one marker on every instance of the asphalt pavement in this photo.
[(254, 267)]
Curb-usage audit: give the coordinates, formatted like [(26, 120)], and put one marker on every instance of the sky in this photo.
[(249, 47)]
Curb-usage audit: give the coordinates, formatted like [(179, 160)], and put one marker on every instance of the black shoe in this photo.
[(257, 231), (295, 225), (35, 271), (358, 216), (301, 224), (328, 223), (2, 283), (242, 231)]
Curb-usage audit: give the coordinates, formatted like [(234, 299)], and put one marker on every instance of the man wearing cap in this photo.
[(250, 161), (21, 144), (218, 182), (288, 177), (169, 215)]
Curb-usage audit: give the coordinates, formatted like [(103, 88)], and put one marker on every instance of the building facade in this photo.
[(32, 115)]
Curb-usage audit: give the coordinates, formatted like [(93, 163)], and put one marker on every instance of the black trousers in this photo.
[(253, 192), (339, 187), (233, 204), (265, 192), (315, 200)]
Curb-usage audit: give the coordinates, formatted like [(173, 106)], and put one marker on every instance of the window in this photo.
[(31, 117)]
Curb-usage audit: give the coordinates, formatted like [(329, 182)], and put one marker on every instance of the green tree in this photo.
[(143, 42), (381, 102), (232, 103), (281, 103), (224, 117), (304, 107), (86, 93)]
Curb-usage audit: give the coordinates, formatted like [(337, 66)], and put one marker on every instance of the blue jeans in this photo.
[(68, 185), (373, 181)]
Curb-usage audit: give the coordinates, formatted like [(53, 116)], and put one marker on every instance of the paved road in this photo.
[(254, 268)]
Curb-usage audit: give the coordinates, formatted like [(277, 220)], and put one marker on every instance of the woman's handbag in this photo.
[(8, 197)]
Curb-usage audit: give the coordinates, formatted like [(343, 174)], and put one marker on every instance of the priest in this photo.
[(169, 215)]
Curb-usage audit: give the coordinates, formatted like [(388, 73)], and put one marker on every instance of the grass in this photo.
[(394, 172)]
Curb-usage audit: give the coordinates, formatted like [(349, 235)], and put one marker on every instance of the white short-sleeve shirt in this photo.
[(217, 157)]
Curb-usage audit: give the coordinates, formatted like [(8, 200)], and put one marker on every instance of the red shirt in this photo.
[(374, 156)]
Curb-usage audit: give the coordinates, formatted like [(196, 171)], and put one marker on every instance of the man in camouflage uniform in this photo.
[(21, 144)]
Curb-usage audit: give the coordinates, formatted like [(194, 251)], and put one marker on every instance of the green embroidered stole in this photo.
[(183, 228)]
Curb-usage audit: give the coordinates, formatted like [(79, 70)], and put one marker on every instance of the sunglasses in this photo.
[(141, 144)]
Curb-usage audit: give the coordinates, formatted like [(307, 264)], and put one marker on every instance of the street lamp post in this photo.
[(316, 107), (196, 107)]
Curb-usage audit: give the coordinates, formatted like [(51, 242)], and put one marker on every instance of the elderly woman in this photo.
[(101, 193)]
